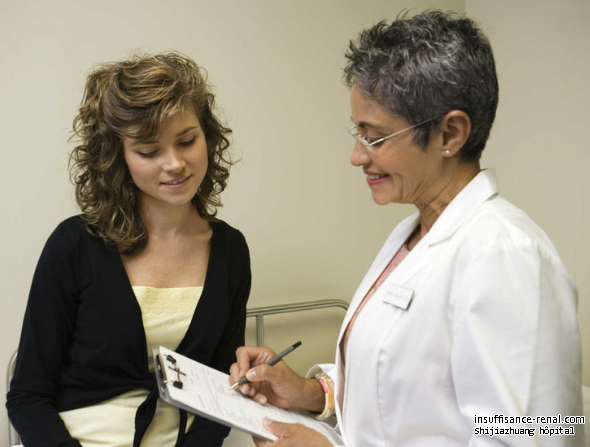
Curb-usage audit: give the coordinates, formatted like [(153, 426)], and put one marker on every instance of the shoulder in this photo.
[(67, 231), (67, 252), (225, 232), (229, 249), (72, 234), (500, 253), (497, 224), (71, 225)]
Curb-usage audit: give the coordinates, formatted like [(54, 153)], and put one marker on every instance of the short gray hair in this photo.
[(425, 66)]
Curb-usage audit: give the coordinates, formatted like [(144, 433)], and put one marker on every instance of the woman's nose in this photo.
[(174, 161), (360, 155)]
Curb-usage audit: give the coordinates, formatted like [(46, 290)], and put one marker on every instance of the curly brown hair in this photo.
[(132, 98)]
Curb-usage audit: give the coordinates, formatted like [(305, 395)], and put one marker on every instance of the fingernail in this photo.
[(261, 400), (266, 421), (251, 375)]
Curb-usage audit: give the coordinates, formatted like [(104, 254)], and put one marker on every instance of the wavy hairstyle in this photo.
[(132, 98), (423, 67)]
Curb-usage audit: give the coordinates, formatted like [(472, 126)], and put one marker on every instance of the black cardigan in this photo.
[(83, 340)]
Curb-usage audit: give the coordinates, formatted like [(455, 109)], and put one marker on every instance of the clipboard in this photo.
[(204, 391)]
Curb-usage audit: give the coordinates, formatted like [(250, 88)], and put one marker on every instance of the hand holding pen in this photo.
[(277, 358), (278, 384)]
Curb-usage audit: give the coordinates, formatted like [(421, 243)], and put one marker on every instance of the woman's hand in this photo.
[(292, 435), (278, 384)]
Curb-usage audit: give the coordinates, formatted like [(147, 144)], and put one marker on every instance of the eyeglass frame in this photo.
[(353, 131)]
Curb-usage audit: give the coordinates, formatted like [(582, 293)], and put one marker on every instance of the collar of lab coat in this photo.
[(480, 189)]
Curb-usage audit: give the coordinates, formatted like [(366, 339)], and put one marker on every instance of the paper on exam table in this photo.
[(205, 392)]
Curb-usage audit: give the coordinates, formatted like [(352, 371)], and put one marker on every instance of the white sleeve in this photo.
[(516, 345)]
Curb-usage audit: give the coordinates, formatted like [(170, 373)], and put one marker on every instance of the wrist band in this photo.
[(328, 386)]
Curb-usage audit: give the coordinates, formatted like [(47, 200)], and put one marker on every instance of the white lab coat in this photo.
[(478, 319)]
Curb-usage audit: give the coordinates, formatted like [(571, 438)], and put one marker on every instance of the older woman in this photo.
[(145, 264), (467, 311)]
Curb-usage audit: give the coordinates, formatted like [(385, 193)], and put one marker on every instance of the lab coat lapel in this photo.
[(399, 235)]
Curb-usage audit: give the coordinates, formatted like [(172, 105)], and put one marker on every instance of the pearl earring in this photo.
[(447, 152)]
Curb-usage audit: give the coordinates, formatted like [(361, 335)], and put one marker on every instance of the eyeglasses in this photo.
[(370, 145)]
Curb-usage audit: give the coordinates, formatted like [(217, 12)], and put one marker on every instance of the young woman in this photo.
[(145, 264)]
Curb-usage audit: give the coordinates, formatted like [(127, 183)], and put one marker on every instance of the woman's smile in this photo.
[(375, 179), (177, 183)]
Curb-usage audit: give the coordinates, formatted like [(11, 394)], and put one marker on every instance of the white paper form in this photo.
[(205, 391)]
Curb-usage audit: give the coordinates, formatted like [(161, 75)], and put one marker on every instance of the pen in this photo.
[(271, 362)]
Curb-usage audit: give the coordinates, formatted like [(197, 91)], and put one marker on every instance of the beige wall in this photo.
[(312, 227), (539, 143)]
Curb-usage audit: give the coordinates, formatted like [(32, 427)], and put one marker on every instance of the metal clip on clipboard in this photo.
[(161, 371)]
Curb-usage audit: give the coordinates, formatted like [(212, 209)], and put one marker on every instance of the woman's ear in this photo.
[(455, 128)]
